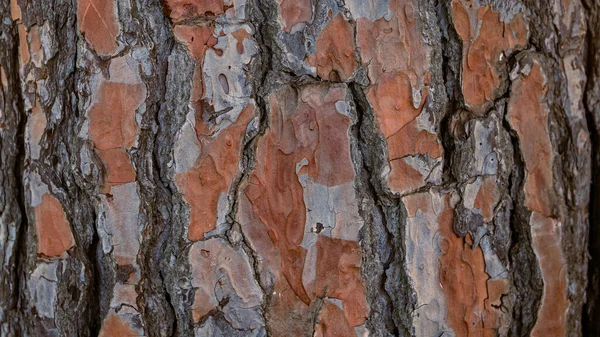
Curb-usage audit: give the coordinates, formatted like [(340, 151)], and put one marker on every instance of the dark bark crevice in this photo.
[(382, 233), (174, 267), (19, 255), (522, 262), (154, 301), (591, 98)]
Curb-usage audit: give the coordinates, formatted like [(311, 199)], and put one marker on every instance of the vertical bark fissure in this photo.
[(94, 250), (451, 53), (173, 267), (591, 312), (397, 318), (557, 34), (261, 70), (524, 268), (521, 257), (528, 291), (157, 307), (20, 250)]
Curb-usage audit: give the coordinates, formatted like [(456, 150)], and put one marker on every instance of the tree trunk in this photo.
[(299, 168)]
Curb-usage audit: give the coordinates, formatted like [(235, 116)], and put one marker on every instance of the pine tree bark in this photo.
[(299, 168)]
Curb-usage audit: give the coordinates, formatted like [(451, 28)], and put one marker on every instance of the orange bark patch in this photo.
[(396, 45), (465, 283), (3, 78), (307, 136), (97, 21), (112, 128), (392, 102), (338, 276), (410, 141), (15, 10), (119, 167), (493, 318), (487, 197), (485, 39), (213, 174), (334, 58), (37, 126), (528, 115), (416, 202), (23, 44), (184, 9), (403, 177), (240, 35), (52, 228), (397, 58), (114, 326), (198, 39), (288, 315), (35, 46), (112, 119), (393, 106), (294, 12), (546, 239), (332, 322)]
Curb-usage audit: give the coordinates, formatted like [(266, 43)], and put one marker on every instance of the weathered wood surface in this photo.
[(299, 168)]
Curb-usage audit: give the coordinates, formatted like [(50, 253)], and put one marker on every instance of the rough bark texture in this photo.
[(299, 168)]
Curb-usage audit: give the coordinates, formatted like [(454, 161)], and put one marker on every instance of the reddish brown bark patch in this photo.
[(394, 45), (410, 141), (15, 10), (334, 58), (112, 119), (465, 283), (112, 128), (294, 12), (198, 40), (97, 20), (213, 174), (307, 137), (403, 177), (392, 102), (118, 166), (528, 115), (397, 58), (3, 78), (52, 228), (332, 322), (487, 197), (546, 239), (114, 326), (185, 9), (485, 40), (23, 44), (338, 276), (35, 46)]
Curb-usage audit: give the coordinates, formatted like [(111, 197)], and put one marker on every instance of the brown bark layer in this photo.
[(299, 168)]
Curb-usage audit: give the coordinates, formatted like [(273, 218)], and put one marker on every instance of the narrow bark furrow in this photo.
[(591, 311), (13, 221), (390, 302)]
